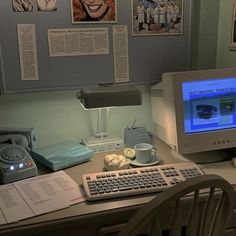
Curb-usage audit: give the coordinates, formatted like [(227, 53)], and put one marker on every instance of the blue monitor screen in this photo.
[(209, 105)]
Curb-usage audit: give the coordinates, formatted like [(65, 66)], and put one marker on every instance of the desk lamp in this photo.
[(103, 98)]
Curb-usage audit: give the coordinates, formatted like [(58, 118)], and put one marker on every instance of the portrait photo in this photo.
[(22, 5), (157, 17), (96, 11), (233, 29), (47, 5)]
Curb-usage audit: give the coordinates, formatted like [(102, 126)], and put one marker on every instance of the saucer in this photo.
[(155, 160)]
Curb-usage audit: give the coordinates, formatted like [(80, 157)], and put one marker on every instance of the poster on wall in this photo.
[(47, 5), (157, 17), (22, 5), (98, 11), (233, 30)]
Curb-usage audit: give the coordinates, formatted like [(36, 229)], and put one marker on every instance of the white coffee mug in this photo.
[(144, 152)]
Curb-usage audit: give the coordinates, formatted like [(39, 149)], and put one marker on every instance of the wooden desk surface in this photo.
[(86, 209)]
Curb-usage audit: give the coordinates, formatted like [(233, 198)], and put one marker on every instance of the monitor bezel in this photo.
[(204, 141)]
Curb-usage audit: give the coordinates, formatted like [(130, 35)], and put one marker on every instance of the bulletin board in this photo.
[(149, 55)]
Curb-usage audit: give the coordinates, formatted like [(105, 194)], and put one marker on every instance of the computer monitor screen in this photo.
[(209, 105), (195, 111)]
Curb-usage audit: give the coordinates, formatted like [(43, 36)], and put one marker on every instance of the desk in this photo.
[(87, 217)]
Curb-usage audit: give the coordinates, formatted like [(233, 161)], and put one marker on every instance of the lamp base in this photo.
[(104, 144)]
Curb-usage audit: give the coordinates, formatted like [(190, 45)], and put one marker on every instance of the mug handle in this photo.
[(153, 152)]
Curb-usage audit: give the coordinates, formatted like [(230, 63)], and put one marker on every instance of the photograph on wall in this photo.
[(47, 5), (22, 5), (157, 17), (96, 11), (233, 30)]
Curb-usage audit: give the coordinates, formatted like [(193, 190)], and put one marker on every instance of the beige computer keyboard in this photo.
[(121, 183)]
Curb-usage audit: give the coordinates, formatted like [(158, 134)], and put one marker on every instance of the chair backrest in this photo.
[(210, 202)]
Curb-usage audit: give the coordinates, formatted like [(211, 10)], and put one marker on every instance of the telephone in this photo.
[(15, 161)]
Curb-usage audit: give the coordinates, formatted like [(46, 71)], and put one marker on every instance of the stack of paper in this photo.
[(38, 195)]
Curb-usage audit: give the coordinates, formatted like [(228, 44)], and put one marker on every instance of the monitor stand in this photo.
[(207, 157)]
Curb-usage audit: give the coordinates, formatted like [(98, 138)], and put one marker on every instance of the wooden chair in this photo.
[(211, 199)]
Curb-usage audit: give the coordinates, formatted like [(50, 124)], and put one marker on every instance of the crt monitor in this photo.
[(194, 112)]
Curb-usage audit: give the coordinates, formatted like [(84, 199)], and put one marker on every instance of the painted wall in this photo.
[(204, 33), (211, 34), (225, 56), (58, 116), (195, 19)]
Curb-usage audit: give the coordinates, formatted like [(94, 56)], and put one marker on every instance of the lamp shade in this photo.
[(97, 97)]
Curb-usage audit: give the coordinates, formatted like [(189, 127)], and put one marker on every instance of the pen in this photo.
[(133, 123)]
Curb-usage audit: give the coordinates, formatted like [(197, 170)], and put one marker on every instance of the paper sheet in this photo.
[(2, 218), (38, 195), (70, 188), (27, 51), (78, 41), (121, 57), (42, 195), (13, 206)]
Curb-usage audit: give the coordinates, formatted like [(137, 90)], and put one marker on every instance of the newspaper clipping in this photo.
[(121, 58), (75, 42), (27, 51)]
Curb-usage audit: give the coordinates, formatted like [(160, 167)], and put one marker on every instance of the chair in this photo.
[(210, 203)]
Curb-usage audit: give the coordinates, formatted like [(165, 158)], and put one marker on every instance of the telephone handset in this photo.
[(15, 161)]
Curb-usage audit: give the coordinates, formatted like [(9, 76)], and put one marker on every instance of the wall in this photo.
[(211, 34), (195, 19), (58, 116), (225, 57), (204, 33), (72, 71)]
